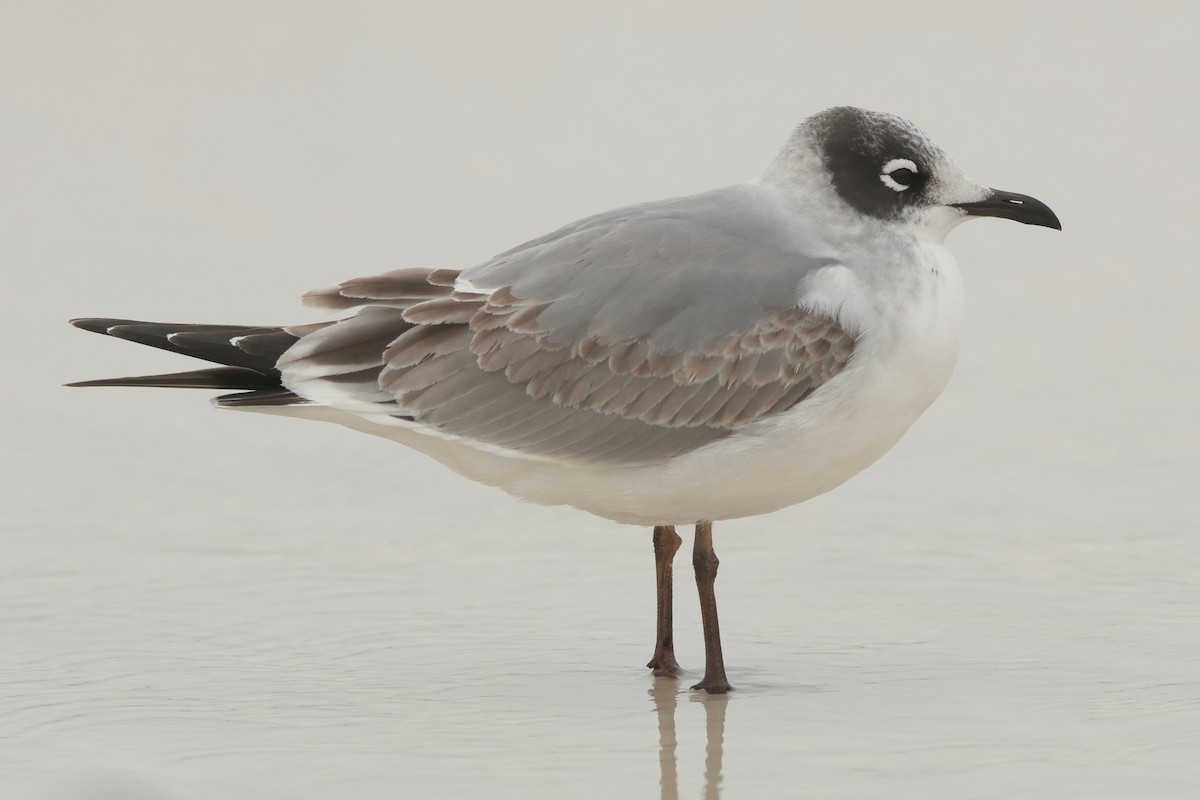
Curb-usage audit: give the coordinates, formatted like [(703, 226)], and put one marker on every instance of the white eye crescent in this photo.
[(897, 173)]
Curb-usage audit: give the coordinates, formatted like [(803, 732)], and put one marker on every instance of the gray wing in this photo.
[(625, 338)]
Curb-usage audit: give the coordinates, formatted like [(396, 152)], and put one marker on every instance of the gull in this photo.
[(702, 358)]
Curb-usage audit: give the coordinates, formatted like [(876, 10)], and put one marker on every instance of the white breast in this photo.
[(901, 364)]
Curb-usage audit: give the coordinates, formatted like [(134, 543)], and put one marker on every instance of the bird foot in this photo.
[(664, 665), (714, 685)]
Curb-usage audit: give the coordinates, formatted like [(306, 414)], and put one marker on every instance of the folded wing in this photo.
[(624, 339)]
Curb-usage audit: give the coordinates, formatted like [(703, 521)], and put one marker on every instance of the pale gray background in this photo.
[(197, 604)]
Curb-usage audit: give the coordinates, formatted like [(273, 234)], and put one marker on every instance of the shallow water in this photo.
[(158, 640), (211, 605)]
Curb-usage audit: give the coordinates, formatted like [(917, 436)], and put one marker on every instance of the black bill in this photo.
[(1010, 205)]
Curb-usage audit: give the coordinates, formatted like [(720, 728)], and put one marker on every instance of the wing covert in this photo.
[(623, 339)]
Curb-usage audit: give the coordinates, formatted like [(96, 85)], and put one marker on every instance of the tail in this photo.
[(247, 355)]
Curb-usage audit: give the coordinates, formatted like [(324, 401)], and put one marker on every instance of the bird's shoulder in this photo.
[(681, 272)]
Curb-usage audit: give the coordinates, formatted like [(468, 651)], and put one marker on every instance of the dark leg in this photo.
[(666, 544), (706, 563)]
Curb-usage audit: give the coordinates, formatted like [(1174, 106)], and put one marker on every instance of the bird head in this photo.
[(888, 169)]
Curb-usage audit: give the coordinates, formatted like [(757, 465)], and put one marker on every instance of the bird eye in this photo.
[(898, 174)]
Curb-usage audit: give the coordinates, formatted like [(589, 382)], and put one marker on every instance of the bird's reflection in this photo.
[(666, 700)]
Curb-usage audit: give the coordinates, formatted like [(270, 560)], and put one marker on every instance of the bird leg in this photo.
[(704, 559), (666, 544)]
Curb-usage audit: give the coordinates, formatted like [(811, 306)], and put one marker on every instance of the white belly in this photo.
[(900, 366), (842, 428)]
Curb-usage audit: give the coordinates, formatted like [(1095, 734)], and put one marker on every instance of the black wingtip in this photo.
[(102, 324), (93, 324), (100, 382), (212, 378), (247, 347)]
